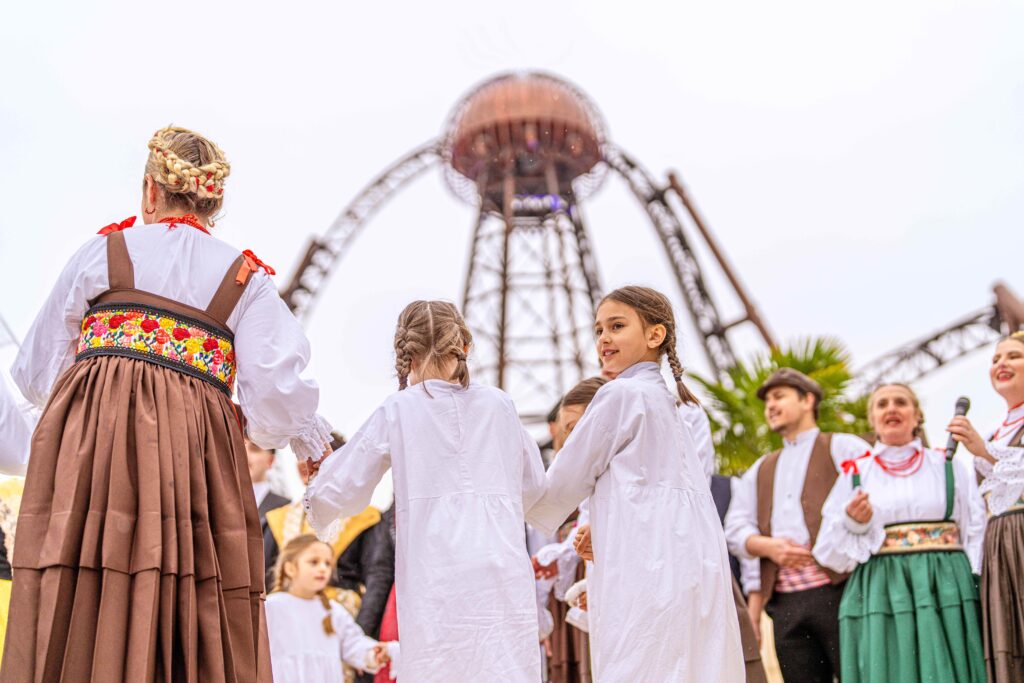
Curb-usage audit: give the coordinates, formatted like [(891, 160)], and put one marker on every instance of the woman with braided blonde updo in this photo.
[(139, 554), (466, 475)]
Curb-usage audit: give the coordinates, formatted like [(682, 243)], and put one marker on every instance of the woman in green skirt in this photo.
[(909, 524)]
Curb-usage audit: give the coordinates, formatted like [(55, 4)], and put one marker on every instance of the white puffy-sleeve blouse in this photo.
[(187, 265), (1004, 481), (919, 497)]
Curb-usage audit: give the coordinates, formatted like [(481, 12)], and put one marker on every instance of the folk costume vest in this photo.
[(821, 475), (124, 321)]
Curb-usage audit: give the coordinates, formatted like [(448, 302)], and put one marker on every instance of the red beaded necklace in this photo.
[(1007, 425), (905, 467), (187, 219)]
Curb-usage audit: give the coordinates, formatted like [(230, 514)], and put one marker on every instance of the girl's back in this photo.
[(464, 472)]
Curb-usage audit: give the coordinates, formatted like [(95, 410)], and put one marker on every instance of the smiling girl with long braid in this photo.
[(659, 593)]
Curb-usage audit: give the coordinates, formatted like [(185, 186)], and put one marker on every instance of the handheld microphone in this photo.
[(963, 404)]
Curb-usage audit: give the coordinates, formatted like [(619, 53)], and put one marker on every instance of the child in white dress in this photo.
[(466, 474), (310, 635), (660, 571)]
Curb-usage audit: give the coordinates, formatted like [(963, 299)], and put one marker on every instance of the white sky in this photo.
[(861, 164)]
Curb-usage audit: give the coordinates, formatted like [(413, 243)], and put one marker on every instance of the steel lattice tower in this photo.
[(523, 148)]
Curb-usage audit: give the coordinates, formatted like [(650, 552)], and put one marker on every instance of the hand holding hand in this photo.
[(380, 655), (582, 603), (859, 508), (544, 571)]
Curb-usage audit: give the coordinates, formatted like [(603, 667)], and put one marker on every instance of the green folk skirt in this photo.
[(912, 618)]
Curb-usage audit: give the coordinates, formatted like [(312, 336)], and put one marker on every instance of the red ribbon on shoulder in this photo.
[(850, 466), (117, 227), (251, 265)]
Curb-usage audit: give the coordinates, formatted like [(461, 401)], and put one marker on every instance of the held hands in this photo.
[(313, 466), (544, 571), (380, 655), (582, 602), (582, 543), (859, 509), (964, 432)]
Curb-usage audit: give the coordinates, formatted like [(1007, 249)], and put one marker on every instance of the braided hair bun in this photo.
[(189, 168)]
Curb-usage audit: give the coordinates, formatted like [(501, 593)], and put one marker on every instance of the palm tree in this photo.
[(737, 415)]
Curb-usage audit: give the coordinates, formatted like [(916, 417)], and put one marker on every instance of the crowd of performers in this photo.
[(150, 547)]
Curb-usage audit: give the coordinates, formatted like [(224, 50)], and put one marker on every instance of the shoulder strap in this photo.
[(230, 291), (120, 271), (766, 492), (821, 476), (950, 497)]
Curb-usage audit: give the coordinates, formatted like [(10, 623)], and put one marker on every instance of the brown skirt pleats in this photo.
[(139, 554), (1002, 598)]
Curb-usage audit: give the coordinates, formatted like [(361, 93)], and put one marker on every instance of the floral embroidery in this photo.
[(162, 337), (921, 536)]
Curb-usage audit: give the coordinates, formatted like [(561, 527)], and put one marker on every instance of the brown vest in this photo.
[(821, 475)]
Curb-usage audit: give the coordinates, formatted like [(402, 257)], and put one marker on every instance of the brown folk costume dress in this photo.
[(1002, 591), (139, 554)]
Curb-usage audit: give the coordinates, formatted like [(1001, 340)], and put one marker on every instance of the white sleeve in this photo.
[(15, 433), (741, 518), (1006, 481), (604, 429), (356, 646), (750, 574), (51, 343), (970, 510), (534, 481), (700, 430), (347, 477), (272, 352), (842, 543)]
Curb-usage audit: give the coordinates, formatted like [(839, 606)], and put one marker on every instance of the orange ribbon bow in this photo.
[(251, 265)]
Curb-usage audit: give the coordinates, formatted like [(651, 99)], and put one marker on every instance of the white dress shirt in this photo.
[(790, 473)]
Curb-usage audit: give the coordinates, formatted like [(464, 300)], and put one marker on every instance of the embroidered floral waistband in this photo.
[(916, 537), (1016, 507), (161, 337)]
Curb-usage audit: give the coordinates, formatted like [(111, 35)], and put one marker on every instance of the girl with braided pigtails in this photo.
[(659, 593), (466, 474)]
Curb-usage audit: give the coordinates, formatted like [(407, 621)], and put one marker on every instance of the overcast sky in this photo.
[(861, 164)]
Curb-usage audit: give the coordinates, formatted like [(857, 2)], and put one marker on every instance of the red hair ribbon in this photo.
[(117, 227), (251, 265)]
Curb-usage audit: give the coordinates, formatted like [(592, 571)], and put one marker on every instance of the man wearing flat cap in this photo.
[(775, 516)]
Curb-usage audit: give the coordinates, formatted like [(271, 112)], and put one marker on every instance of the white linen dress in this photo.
[(465, 471), (659, 592)]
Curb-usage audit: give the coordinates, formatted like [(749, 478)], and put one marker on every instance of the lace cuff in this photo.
[(326, 529), (841, 548), (312, 439), (1005, 484)]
